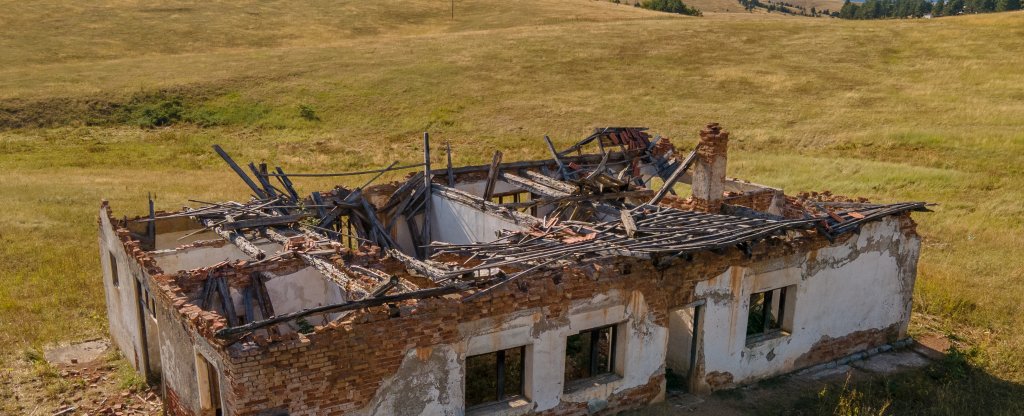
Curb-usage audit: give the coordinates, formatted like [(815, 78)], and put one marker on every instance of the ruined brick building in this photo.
[(585, 283)]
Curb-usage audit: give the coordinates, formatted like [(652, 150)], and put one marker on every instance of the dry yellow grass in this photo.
[(892, 110)]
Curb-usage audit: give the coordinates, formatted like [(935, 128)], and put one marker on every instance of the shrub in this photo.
[(671, 6), (307, 112), (159, 113)]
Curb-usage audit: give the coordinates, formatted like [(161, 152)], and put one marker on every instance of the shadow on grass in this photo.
[(951, 386)]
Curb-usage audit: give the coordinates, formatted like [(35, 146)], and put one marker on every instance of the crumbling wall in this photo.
[(365, 363), (122, 302), (849, 296)]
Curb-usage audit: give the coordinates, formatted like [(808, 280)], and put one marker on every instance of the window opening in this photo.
[(590, 353), (766, 315), (495, 376), (115, 278)]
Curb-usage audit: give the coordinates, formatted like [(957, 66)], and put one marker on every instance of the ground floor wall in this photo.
[(841, 299), (126, 292)]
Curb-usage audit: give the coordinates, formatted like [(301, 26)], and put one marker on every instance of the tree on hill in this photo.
[(953, 8), (849, 10), (670, 6), (937, 8), (1007, 5)]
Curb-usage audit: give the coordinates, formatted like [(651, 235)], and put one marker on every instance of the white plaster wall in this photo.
[(171, 240), (303, 289), (457, 223), (865, 283), (122, 313), (435, 377), (196, 257), (477, 188)]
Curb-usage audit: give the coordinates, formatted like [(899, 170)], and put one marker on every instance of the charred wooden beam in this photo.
[(671, 181), (245, 178), (451, 174), (554, 154), (427, 180), (492, 175), (287, 184), (263, 222)]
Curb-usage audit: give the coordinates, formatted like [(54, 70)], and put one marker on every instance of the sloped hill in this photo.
[(122, 28), (928, 110)]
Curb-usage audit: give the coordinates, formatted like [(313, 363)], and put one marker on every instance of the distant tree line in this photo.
[(670, 6), (901, 9), (782, 7)]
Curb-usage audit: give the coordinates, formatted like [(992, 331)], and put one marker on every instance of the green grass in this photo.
[(892, 110)]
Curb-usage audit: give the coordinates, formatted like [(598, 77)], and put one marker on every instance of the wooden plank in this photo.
[(318, 200), (492, 175), (287, 184), (247, 300), (427, 185), (323, 175), (532, 186), (451, 174), (267, 187), (628, 223), (234, 166), (671, 181), (554, 154), (226, 302), (235, 238), (262, 222), (429, 271), (262, 296)]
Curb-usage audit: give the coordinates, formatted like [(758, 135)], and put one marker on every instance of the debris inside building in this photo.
[(589, 282)]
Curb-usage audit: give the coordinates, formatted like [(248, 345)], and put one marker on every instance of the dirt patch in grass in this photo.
[(106, 384)]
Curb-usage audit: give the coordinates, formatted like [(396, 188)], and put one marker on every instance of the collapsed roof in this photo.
[(378, 244)]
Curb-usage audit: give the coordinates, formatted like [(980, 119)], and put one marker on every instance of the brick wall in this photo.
[(340, 367)]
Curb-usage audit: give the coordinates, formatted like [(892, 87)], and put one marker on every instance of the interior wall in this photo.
[(457, 223), (303, 289), (196, 257), (174, 239), (477, 188)]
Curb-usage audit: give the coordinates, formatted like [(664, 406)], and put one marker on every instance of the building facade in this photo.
[(570, 285)]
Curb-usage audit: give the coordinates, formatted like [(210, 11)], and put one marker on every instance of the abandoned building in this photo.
[(585, 283)]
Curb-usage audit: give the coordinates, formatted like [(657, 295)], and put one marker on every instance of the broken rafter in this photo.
[(492, 175), (554, 154), (671, 181), (263, 222), (642, 193), (365, 172), (531, 185), (234, 237), (245, 178)]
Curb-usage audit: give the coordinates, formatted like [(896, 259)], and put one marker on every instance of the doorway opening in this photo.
[(684, 342)]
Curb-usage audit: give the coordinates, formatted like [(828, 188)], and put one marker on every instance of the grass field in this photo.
[(892, 110)]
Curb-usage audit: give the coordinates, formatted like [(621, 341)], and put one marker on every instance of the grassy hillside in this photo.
[(733, 6), (893, 110)]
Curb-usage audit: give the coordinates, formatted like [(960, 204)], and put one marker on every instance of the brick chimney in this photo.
[(709, 169)]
